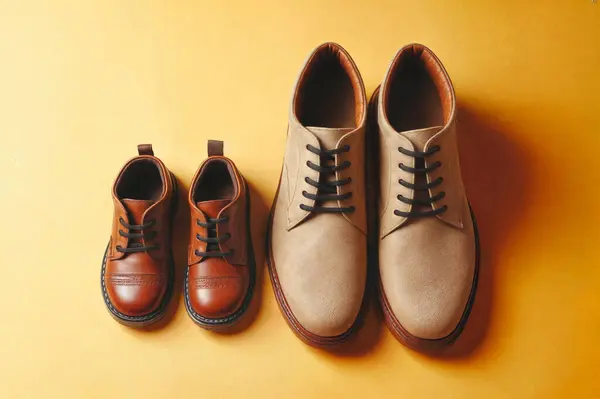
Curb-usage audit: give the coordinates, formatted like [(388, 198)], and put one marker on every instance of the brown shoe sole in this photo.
[(158, 314), (225, 323), (391, 321)]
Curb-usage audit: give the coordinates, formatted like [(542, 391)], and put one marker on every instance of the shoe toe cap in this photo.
[(319, 271), (428, 296), (332, 319), (325, 304), (135, 295), (216, 297)]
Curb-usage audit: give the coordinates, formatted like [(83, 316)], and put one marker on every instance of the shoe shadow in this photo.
[(179, 245), (259, 214), (495, 171)]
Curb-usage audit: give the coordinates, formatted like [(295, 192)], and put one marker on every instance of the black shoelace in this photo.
[(327, 190), (422, 170), (133, 247), (212, 241)]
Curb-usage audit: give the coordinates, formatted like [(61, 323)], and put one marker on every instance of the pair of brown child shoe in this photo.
[(138, 270)]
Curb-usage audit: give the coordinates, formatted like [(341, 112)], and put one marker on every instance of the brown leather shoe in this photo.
[(137, 269), (318, 227), (428, 244), (221, 270)]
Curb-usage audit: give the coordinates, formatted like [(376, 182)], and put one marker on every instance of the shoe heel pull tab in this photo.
[(215, 148), (145, 149)]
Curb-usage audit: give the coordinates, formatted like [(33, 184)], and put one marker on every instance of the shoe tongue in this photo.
[(420, 137), (328, 137), (212, 208), (136, 208)]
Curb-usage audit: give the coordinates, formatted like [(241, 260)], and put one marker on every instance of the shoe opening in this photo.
[(141, 180), (214, 183), (418, 93), (329, 92)]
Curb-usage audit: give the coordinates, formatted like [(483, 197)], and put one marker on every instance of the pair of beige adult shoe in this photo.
[(384, 173)]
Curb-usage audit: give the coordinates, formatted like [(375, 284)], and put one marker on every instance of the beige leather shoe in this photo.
[(318, 227), (428, 245)]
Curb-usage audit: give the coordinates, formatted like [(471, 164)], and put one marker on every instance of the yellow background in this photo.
[(83, 82)]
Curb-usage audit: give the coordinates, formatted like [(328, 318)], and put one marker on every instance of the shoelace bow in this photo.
[(212, 241), (420, 169), (327, 190), (137, 246)]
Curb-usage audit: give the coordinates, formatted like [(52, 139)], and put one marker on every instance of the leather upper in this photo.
[(218, 285), (136, 282), (426, 263), (319, 258)]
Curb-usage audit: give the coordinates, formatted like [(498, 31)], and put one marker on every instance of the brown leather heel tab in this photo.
[(215, 148), (145, 149)]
